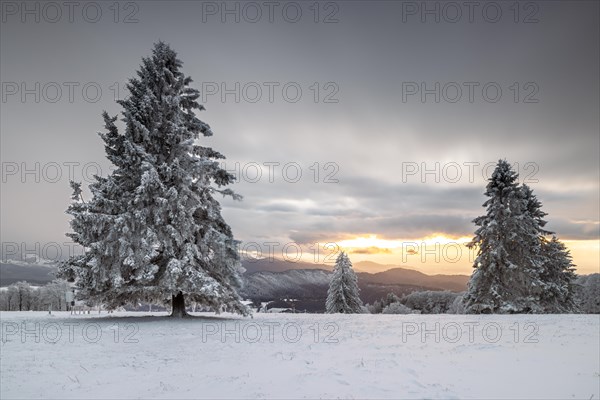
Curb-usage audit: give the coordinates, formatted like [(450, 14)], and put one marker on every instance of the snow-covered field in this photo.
[(135, 355)]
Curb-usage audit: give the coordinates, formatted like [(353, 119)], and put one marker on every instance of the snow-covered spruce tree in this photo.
[(558, 276), (533, 214), (509, 261), (587, 294), (153, 230), (556, 272), (343, 294)]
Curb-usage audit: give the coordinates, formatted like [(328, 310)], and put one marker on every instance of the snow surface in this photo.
[(354, 356)]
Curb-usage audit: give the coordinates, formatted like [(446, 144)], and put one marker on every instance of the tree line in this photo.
[(21, 296)]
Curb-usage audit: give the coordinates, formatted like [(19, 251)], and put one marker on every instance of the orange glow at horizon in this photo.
[(445, 253), (372, 241)]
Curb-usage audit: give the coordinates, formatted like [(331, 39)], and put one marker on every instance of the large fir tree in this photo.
[(556, 272), (517, 270), (506, 276), (343, 294), (153, 230), (558, 277)]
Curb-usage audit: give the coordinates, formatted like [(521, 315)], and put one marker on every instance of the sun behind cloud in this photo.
[(388, 245), (371, 241)]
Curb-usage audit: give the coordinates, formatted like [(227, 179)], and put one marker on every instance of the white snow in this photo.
[(347, 356)]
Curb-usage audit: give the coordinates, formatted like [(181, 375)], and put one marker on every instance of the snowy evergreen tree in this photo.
[(398, 308), (587, 294), (517, 269), (152, 230), (558, 276), (509, 262), (343, 294), (430, 301), (458, 305), (556, 270), (533, 211)]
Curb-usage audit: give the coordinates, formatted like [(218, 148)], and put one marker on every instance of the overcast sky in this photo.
[(374, 92)]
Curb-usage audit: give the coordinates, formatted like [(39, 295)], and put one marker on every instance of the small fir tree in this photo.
[(343, 294)]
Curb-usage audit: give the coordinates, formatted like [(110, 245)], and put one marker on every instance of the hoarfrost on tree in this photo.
[(517, 269), (153, 230), (343, 294)]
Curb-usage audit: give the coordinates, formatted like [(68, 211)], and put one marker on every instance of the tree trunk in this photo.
[(178, 303)]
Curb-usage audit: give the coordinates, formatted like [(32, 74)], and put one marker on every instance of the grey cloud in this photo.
[(368, 133)]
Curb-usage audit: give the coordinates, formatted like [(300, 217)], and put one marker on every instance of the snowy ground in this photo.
[(134, 355)]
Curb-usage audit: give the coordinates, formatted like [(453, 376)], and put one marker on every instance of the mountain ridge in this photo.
[(11, 272)]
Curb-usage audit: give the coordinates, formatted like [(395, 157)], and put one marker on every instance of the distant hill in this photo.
[(304, 283), (309, 288), (267, 280), (278, 265), (32, 273), (455, 283), (270, 281), (372, 267), (273, 281), (374, 272)]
